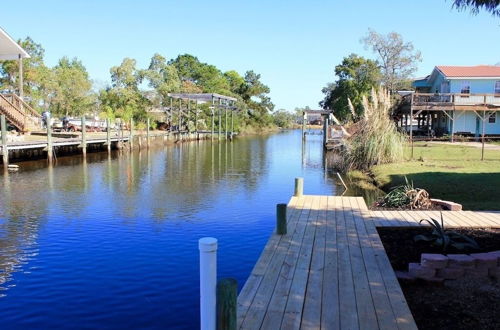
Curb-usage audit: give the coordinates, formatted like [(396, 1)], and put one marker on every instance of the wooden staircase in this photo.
[(19, 113)]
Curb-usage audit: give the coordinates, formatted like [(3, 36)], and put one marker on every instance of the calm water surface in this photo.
[(111, 242)]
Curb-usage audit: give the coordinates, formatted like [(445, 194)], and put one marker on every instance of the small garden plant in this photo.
[(443, 238)]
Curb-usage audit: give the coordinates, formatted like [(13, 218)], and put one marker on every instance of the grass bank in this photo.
[(254, 130), (448, 172)]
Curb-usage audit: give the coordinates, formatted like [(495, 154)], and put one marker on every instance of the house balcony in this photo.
[(455, 101)]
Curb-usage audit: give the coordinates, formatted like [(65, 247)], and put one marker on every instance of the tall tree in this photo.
[(207, 77), (491, 6), (71, 89), (162, 77), (398, 59), (256, 97), (356, 78), (188, 67), (124, 97), (235, 81)]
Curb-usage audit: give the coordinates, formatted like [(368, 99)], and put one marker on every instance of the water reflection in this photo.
[(116, 218)]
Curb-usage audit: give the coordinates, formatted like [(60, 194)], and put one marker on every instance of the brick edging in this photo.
[(440, 267), (451, 206)]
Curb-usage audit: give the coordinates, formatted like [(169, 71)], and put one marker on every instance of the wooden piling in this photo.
[(220, 120), (485, 117), (50, 151), (120, 135), (227, 293), (108, 135), (196, 121), (225, 126), (299, 187), (180, 118), (325, 131), (83, 145), (213, 120), (281, 219), (5, 151), (147, 132), (232, 124), (131, 135), (304, 119)]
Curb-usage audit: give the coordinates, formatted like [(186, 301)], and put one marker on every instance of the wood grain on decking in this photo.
[(330, 271)]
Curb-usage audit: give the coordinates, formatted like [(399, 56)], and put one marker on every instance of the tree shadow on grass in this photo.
[(475, 191)]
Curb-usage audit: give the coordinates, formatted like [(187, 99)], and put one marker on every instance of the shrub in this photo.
[(377, 140), (444, 238), (406, 196)]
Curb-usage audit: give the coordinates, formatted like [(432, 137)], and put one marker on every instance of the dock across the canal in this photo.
[(330, 271)]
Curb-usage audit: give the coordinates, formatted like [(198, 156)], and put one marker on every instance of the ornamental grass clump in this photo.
[(377, 140), (406, 196)]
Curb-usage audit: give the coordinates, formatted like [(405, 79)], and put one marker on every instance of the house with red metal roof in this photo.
[(453, 100)]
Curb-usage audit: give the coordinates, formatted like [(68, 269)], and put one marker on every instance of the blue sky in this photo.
[(294, 45)]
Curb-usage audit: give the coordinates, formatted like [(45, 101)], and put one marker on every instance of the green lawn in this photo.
[(448, 172)]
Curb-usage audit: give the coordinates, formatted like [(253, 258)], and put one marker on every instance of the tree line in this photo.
[(66, 89), (393, 68), (356, 76)]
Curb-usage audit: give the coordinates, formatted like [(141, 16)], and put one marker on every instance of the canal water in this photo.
[(111, 242)]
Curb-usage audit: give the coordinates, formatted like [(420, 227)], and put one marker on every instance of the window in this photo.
[(492, 118), (465, 88), (497, 88)]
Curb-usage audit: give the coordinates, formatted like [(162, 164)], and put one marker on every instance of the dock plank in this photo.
[(311, 318), (249, 291), (365, 309), (382, 305), (348, 308), (296, 299), (331, 270), (330, 317), (279, 298)]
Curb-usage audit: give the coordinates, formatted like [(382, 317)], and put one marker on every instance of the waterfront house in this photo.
[(16, 110), (461, 100)]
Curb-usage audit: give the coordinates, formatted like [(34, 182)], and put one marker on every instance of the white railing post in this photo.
[(208, 282)]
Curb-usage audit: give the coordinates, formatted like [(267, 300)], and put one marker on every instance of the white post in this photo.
[(208, 282)]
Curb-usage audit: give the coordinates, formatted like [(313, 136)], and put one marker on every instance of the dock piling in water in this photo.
[(281, 219), (49, 140), (84, 137), (131, 135), (108, 135), (5, 151), (147, 132), (299, 187), (227, 295)]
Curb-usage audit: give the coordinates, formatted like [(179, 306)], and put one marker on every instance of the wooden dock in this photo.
[(59, 142), (330, 271)]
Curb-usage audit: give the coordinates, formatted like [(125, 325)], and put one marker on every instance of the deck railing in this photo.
[(21, 104), (445, 99)]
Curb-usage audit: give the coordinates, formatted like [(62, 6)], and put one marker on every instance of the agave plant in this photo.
[(444, 238)]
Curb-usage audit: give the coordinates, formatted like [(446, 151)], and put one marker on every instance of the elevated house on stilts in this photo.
[(453, 100)]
